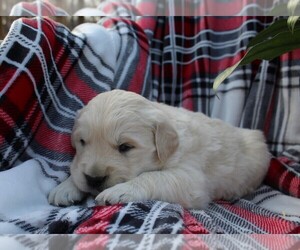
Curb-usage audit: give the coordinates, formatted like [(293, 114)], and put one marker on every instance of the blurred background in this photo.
[(69, 6), (69, 21)]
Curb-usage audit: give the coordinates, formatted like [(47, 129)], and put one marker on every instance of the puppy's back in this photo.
[(249, 164)]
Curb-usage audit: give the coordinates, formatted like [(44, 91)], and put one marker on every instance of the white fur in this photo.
[(65, 194), (179, 156)]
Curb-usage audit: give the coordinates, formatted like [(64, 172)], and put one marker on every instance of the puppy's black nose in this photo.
[(96, 181)]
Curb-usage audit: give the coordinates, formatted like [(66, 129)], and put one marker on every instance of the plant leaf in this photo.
[(271, 31), (291, 22), (273, 47), (267, 49), (221, 77)]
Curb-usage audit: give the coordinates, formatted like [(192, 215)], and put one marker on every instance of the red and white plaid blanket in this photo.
[(48, 72)]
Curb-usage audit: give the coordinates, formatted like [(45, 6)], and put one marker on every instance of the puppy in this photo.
[(131, 149)]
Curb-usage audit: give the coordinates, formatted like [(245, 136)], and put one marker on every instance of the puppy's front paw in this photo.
[(121, 193), (65, 194)]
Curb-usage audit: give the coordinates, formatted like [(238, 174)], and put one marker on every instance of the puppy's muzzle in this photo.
[(95, 182)]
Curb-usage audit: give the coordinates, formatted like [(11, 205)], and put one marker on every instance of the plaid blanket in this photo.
[(48, 72)]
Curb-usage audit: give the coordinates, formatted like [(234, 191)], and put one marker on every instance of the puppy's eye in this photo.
[(82, 142), (125, 147)]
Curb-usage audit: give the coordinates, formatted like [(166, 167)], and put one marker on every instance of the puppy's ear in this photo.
[(166, 139)]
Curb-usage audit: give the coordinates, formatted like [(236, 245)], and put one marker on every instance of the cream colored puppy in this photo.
[(131, 149)]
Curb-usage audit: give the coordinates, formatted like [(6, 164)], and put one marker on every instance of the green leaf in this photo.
[(274, 47), (221, 77), (274, 29), (291, 22), (265, 49)]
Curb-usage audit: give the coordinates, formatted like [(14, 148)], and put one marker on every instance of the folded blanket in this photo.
[(48, 73)]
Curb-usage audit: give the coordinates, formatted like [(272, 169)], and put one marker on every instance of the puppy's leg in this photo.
[(65, 194), (174, 186)]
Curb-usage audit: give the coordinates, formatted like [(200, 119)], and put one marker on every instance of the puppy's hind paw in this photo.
[(65, 194)]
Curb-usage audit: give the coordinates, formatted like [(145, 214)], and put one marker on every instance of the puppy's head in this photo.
[(118, 136)]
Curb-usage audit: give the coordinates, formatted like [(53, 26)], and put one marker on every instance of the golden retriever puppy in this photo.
[(131, 149)]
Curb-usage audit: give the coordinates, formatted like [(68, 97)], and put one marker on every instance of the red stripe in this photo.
[(294, 55), (100, 220), (47, 8), (275, 242), (194, 241), (223, 23), (53, 140), (187, 97), (20, 92), (7, 118), (285, 181), (211, 7), (7, 76), (137, 81), (286, 160), (34, 115), (147, 9), (192, 226), (281, 179), (295, 187), (79, 88), (296, 231), (111, 7), (272, 225), (93, 242), (291, 181)]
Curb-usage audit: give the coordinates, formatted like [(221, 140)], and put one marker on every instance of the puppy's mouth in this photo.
[(96, 183)]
